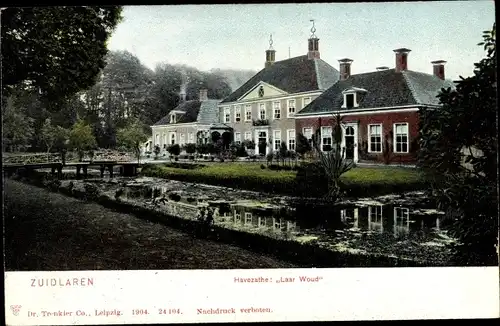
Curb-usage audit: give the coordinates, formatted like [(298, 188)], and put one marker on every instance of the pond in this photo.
[(404, 226)]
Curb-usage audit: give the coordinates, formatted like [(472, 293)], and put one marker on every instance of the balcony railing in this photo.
[(260, 122)]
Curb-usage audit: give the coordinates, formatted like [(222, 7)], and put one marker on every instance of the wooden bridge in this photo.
[(126, 168)]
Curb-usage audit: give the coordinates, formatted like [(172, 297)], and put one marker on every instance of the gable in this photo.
[(264, 89)]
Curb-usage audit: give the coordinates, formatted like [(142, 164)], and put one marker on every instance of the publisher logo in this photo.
[(15, 309)]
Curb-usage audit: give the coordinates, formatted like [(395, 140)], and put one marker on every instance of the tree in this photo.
[(132, 137), (47, 134), (81, 138), (174, 150), (283, 152), (17, 127), (458, 152), (61, 141), (303, 145), (190, 148), (55, 50)]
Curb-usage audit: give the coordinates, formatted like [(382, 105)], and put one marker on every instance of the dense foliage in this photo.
[(55, 50), (132, 137), (81, 138), (56, 66), (459, 152)]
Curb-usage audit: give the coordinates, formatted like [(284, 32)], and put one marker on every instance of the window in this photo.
[(237, 216), (237, 114), (291, 108), (227, 115), (182, 139), (326, 138), (401, 220), (277, 140), (375, 221), (262, 111), (277, 223), (401, 138), (248, 218), (191, 138), (248, 135), (262, 221), (307, 132), (248, 113), (277, 110), (291, 140), (172, 118), (261, 91), (349, 100), (306, 101), (237, 137), (375, 138), (157, 140), (165, 140), (172, 138)]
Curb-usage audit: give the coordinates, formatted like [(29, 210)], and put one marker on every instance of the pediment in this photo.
[(262, 90)]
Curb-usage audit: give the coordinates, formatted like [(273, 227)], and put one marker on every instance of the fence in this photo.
[(34, 158)]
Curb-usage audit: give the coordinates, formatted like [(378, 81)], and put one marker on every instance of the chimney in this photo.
[(270, 54), (345, 68), (382, 68), (402, 59), (313, 44), (203, 94), (438, 67)]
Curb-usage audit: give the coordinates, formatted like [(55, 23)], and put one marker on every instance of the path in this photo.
[(49, 231)]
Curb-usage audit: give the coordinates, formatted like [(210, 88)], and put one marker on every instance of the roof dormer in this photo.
[(352, 97), (173, 115)]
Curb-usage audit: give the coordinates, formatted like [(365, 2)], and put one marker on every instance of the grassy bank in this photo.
[(361, 181)]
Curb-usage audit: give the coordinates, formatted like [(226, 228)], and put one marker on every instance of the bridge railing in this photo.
[(35, 158)]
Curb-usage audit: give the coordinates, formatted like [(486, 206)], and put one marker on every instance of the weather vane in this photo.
[(313, 29), (270, 41)]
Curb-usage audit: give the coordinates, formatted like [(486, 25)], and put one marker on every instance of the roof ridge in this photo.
[(292, 58), (410, 85)]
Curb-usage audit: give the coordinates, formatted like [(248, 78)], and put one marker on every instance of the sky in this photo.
[(236, 36)]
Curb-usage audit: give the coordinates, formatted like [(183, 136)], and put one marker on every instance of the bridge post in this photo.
[(59, 171), (110, 169), (103, 167), (85, 171), (78, 174)]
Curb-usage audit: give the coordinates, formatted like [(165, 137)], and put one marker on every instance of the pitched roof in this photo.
[(386, 88), (294, 75), (209, 112), (191, 109), (203, 112)]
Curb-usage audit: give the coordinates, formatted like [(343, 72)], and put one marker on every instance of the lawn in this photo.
[(360, 181)]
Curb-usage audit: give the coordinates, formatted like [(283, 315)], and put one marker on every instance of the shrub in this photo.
[(188, 166), (71, 186), (119, 193), (174, 149), (190, 148), (91, 191), (174, 197), (157, 151), (262, 166)]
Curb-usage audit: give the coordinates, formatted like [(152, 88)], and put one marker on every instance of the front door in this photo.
[(262, 142), (351, 142)]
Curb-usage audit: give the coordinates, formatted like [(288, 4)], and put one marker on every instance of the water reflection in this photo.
[(397, 220)]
